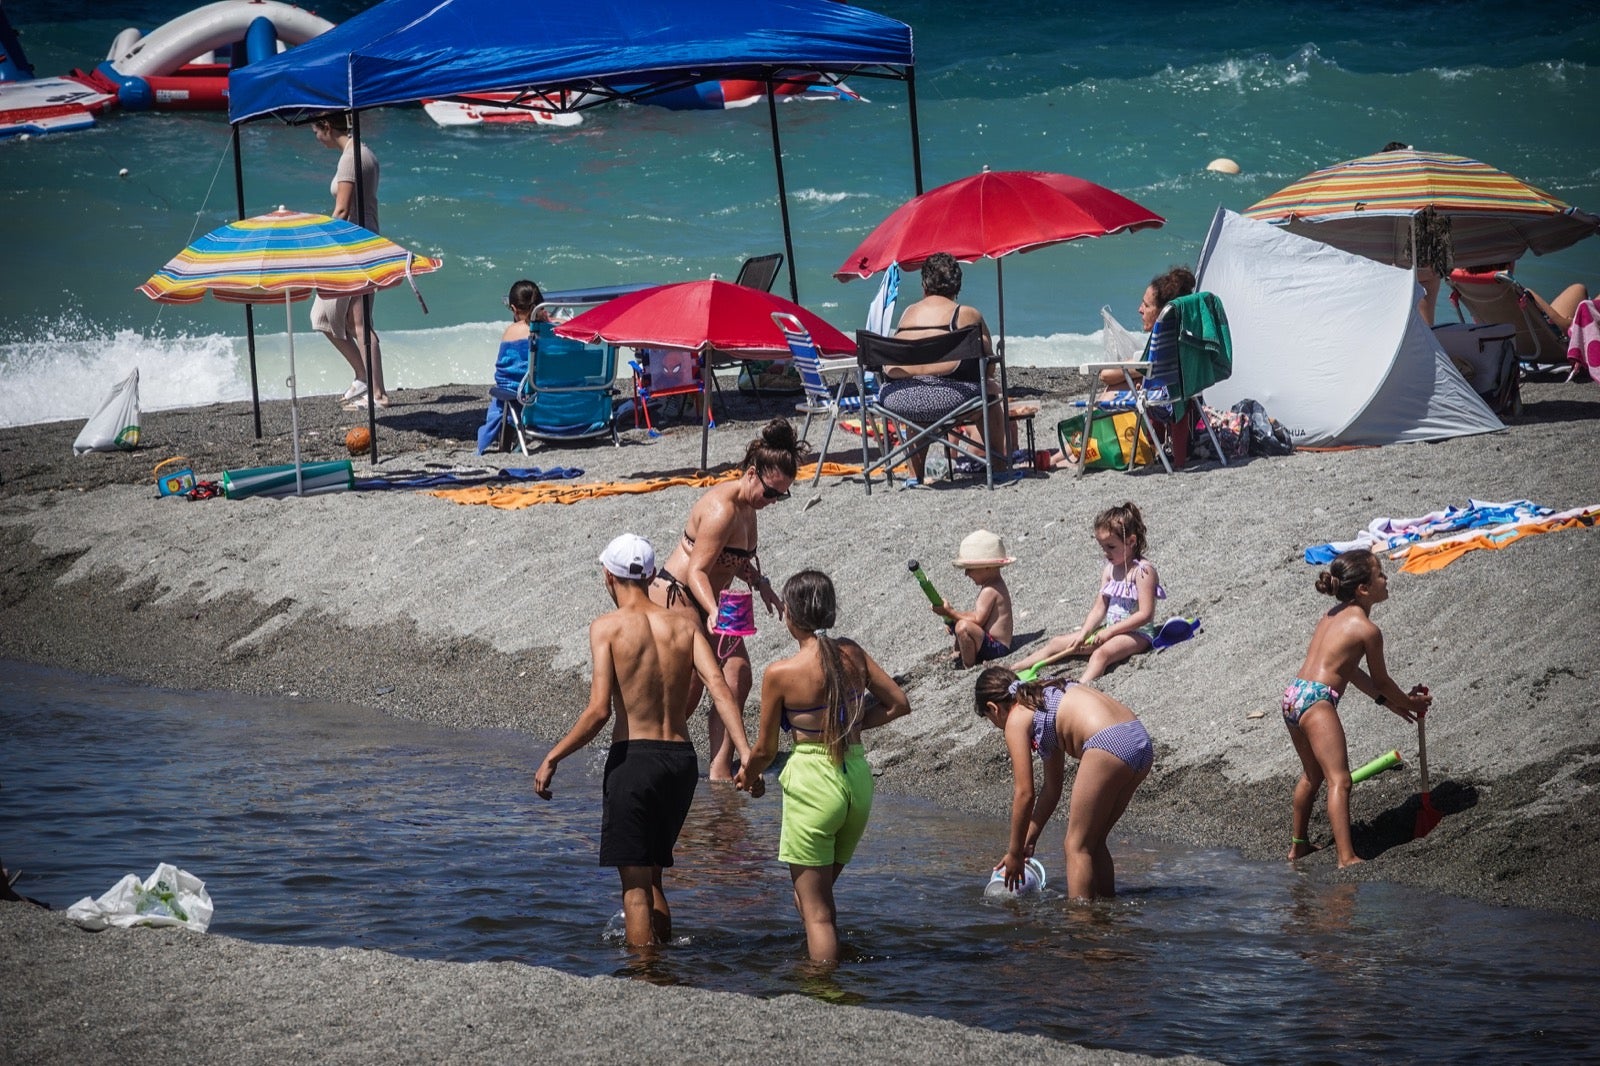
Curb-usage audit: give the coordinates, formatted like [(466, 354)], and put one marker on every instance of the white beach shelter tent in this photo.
[(1330, 343)]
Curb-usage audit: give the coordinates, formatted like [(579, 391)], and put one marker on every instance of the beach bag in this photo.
[(1112, 437), (1266, 435), (115, 426), (1231, 434)]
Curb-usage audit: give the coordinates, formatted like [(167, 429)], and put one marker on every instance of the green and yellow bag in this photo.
[(1114, 435)]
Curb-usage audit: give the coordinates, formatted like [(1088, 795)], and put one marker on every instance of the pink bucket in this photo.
[(736, 619), (736, 614)]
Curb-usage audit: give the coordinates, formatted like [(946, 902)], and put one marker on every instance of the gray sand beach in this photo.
[(471, 616)]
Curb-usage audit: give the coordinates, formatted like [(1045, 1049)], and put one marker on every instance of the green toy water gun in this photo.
[(1031, 673), (927, 588), (1387, 761)]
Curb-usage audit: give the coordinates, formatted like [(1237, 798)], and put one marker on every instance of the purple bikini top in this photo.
[(1045, 737)]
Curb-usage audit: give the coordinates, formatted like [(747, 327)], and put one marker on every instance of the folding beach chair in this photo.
[(821, 398), (662, 372), (1495, 297), (1189, 350), (569, 393), (875, 353), (760, 271)]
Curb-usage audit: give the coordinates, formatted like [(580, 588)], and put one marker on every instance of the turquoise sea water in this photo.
[(1138, 99)]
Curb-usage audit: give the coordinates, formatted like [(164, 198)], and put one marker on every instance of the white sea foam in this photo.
[(817, 196), (1057, 349), (68, 371), (66, 374)]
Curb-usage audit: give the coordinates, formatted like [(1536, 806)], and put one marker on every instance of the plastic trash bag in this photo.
[(115, 426), (169, 896), (1120, 345)]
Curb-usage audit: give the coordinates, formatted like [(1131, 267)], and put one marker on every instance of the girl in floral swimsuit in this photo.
[(1053, 719), (1310, 705), (1122, 619)]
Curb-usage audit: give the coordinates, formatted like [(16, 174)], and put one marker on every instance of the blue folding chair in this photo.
[(569, 392), (1189, 349), (821, 398)]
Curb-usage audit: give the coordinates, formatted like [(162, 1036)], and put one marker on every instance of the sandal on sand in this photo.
[(360, 404), (357, 389)]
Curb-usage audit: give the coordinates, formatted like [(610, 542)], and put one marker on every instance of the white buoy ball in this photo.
[(1223, 165), (122, 173)]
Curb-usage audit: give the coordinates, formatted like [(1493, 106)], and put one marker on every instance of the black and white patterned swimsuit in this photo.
[(927, 398)]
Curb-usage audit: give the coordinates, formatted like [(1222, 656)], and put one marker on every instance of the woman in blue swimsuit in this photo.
[(1310, 705), (1052, 719)]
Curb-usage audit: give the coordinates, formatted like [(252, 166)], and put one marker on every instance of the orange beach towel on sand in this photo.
[(514, 497), (1424, 558)]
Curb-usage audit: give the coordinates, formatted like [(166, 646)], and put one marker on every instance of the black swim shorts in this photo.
[(649, 785)]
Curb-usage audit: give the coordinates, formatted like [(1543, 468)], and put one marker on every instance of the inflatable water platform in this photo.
[(182, 65), (479, 109)]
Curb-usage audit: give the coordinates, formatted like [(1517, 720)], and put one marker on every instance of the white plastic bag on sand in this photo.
[(116, 424), (169, 896)]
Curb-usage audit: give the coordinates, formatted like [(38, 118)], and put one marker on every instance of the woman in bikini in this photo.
[(931, 392), (824, 694), (718, 546), (1344, 636), (1054, 719)]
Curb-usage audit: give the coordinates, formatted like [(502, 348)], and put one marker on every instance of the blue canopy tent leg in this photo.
[(783, 194), (916, 138), (249, 309), (366, 300)]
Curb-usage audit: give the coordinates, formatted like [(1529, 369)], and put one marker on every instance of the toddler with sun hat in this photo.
[(983, 633)]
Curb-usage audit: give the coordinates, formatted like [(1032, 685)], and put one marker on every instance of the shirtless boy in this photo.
[(645, 657), (983, 633)]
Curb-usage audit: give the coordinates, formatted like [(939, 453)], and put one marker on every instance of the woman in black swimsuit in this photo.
[(718, 546), (931, 392)]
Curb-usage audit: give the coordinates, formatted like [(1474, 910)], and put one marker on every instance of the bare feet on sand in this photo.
[(1299, 849)]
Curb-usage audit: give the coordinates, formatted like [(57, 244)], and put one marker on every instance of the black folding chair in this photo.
[(875, 354)]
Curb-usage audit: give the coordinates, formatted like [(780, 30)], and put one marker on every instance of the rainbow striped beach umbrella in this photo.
[(1367, 206), (286, 256)]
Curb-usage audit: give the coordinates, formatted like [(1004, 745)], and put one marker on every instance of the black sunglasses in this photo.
[(767, 490)]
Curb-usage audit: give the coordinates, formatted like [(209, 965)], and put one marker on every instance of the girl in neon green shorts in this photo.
[(826, 693)]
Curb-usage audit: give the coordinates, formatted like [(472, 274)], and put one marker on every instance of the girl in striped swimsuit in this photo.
[(1053, 719)]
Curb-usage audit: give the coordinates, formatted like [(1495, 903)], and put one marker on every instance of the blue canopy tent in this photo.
[(401, 51)]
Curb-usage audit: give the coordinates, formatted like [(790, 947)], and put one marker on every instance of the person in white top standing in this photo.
[(343, 319)]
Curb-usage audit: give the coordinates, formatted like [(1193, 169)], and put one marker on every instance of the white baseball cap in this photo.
[(629, 556)]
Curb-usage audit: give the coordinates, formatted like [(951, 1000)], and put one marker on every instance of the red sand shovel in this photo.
[(1428, 816)]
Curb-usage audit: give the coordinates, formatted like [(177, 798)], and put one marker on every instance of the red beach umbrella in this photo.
[(698, 316), (990, 215)]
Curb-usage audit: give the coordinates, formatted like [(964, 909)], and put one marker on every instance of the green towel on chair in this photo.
[(1205, 349)]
